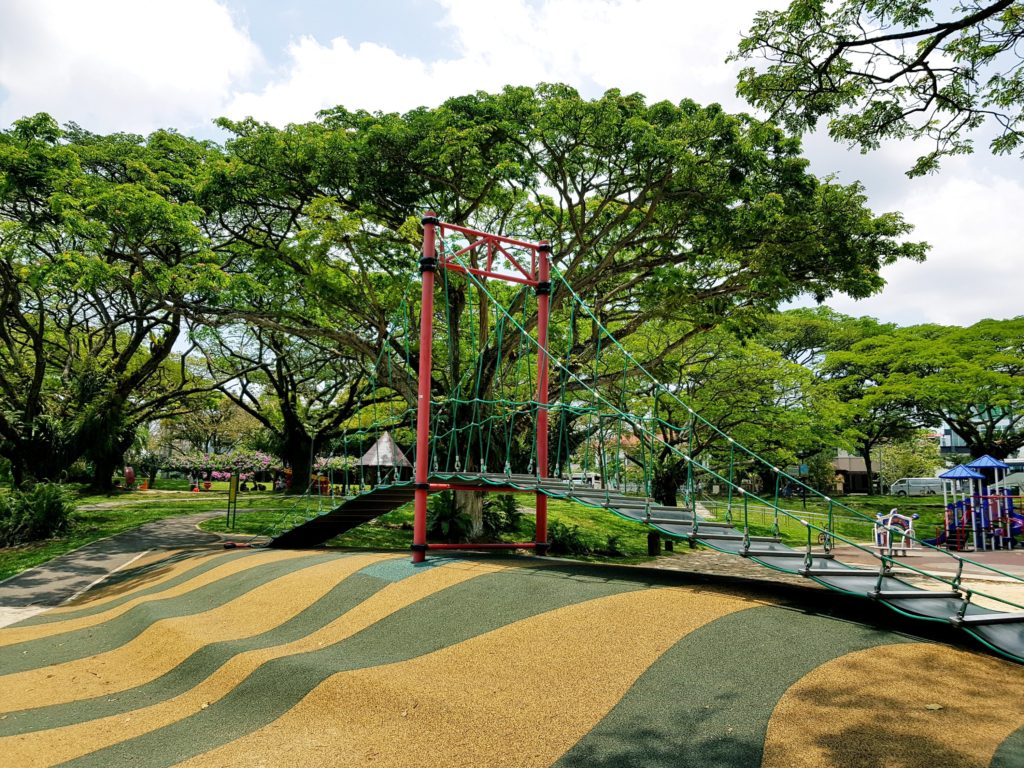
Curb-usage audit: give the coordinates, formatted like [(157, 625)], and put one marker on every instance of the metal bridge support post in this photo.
[(543, 308), (428, 265)]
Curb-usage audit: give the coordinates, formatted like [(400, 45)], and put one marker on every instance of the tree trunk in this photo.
[(471, 504), (297, 452), (665, 486), (864, 450), (41, 459), (17, 473), (103, 469)]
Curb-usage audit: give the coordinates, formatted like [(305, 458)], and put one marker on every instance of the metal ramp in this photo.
[(1001, 631)]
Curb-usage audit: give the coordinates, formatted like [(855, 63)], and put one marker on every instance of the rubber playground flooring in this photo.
[(279, 658)]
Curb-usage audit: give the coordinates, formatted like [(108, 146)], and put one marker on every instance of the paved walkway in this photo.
[(64, 577)]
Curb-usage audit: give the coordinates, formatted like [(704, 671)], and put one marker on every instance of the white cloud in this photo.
[(130, 65), (121, 65), (974, 268), (662, 48)]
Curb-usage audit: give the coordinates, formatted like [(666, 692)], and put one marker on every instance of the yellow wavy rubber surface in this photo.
[(167, 642), (530, 689), (11, 635), (43, 748), (876, 709)]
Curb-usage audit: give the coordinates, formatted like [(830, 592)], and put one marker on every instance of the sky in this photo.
[(126, 65)]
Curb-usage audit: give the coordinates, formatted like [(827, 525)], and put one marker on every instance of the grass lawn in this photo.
[(394, 530), (100, 516), (928, 508)]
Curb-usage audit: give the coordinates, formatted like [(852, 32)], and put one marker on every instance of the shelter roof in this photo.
[(384, 453), (962, 473), (986, 462)]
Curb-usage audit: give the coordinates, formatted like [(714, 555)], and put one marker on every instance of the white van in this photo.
[(916, 486)]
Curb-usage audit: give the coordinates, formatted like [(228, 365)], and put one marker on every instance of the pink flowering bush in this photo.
[(222, 465)]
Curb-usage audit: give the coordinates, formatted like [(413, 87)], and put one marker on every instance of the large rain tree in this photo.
[(658, 212), (969, 378), (99, 244), (893, 69)]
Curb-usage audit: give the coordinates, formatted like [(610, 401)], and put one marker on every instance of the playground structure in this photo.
[(893, 526), (976, 518), (494, 428)]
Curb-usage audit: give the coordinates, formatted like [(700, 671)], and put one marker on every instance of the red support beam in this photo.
[(515, 262), (478, 233), (428, 264), (539, 277), (485, 273), (543, 308)]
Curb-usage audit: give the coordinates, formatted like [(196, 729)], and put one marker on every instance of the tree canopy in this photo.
[(969, 378), (892, 69), (99, 243), (285, 256)]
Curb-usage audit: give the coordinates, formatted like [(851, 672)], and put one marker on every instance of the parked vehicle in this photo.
[(916, 486)]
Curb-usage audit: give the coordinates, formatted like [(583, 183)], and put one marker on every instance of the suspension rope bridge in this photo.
[(493, 426)]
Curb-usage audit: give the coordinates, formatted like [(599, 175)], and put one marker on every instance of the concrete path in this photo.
[(64, 577)]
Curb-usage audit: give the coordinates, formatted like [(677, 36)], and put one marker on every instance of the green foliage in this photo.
[(101, 244), (917, 456), (444, 519), (970, 378), (613, 545), (285, 258), (501, 514), (567, 539), (43, 511), (765, 401), (892, 70)]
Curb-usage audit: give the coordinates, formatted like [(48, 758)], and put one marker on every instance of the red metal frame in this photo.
[(427, 262), (538, 275)]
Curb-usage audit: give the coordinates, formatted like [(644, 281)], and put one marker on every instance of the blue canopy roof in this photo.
[(986, 462), (961, 473)]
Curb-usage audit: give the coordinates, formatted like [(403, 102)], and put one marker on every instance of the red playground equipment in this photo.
[(498, 251)]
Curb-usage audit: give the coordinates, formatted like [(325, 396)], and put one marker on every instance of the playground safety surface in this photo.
[(320, 658)]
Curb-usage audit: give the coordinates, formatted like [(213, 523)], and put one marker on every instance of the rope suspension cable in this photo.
[(478, 343), (732, 482), (558, 275), (690, 490), (531, 390), (618, 413), (563, 412), (498, 387), (601, 457), (456, 384)]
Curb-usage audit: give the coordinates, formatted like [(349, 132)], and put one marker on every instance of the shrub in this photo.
[(42, 512), (613, 545), (566, 540), (444, 520), (501, 514)]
